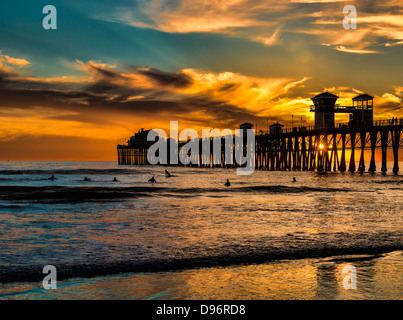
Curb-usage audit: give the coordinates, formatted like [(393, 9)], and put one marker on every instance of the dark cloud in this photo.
[(112, 98), (105, 87), (228, 87), (177, 79), (378, 7), (222, 113), (92, 103)]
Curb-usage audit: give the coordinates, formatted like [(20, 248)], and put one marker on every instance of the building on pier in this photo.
[(245, 127), (276, 128), (325, 107), (363, 110), (140, 139)]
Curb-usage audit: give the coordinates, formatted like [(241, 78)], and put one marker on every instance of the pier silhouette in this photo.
[(322, 147)]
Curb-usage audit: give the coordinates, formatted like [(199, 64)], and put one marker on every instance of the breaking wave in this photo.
[(80, 171), (65, 194), (247, 255)]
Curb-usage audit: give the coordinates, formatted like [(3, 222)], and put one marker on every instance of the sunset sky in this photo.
[(113, 67)]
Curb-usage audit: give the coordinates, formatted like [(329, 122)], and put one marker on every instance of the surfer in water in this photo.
[(115, 180), (294, 180), (52, 177), (227, 184), (152, 180), (167, 174), (87, 179)]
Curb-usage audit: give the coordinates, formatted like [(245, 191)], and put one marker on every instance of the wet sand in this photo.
[(378, 277)]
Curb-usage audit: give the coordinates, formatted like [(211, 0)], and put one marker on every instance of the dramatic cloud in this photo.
[(14, 61), (378, 24), (109, 102), (9, 65), (262, 21), (359, 51), (186, 16), (141, 63)]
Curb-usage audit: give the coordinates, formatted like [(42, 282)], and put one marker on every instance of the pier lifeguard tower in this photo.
[(325, 107), (363, 110), (276, 128)]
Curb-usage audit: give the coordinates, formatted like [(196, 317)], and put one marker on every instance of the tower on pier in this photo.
[(324, 108), (363, 110)]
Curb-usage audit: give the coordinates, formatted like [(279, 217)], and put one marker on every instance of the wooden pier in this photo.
[(330, 149), (324, 147)]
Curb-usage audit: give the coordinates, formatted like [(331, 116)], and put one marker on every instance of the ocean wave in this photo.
[(65, 194), (82, 171), (388, 181), (33, 273)]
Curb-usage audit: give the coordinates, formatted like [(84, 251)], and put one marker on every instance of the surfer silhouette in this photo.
[(167, 174), (227, 184), (294, 180), (152, 180), (115, 180), (52, 177), (87, 179)]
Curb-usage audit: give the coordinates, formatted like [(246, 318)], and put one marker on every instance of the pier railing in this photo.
[(340, 125)]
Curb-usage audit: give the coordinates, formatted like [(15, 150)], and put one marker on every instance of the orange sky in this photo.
[(67, 94)]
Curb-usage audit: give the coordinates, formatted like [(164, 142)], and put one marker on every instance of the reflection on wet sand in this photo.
[(378, 277), (326, 281)]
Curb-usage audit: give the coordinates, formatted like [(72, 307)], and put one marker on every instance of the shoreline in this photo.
[(66, 272), (308, 278)]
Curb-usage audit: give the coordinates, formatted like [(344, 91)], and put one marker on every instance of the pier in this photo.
[(324, 147)]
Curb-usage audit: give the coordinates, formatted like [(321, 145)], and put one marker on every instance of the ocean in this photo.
[(190, 237)]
